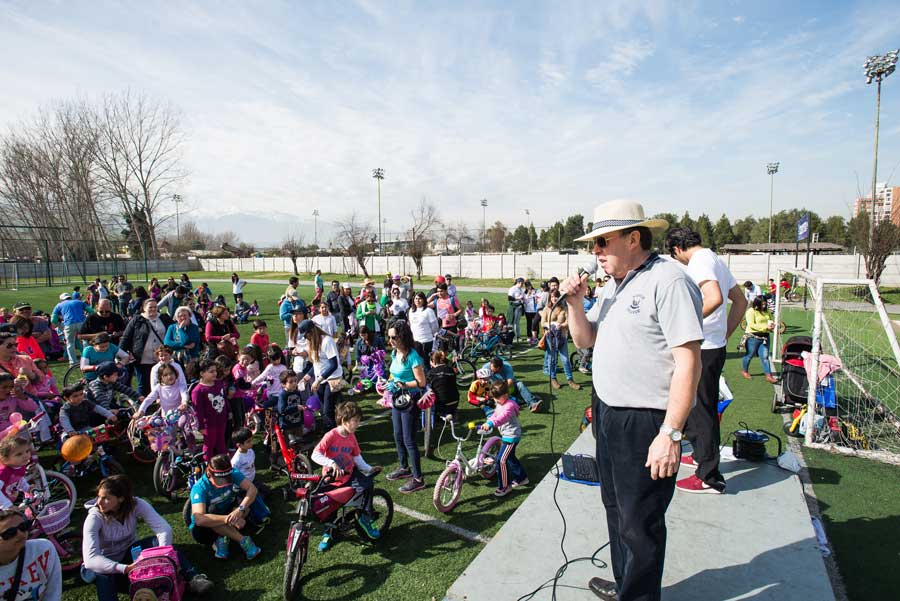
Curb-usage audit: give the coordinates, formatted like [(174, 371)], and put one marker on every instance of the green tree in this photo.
[(835, 230), (659, 238), (722, 232), (519, 241), (686, 221), (574, 228), (759, 233), (552, 236), (742, 230), (533, 237), (704, 227)]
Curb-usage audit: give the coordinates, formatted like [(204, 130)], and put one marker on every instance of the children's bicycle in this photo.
[(50, 500), (448, 487), (339, 509), (464, 368)]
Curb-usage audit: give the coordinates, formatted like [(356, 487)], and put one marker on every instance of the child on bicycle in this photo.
[(104, 389), (12, 399), (15, 455), (442, 380), (76, 414), (167, 393), (166, 356), (510, 473), (271, 375), (338, 453), (290, 403)]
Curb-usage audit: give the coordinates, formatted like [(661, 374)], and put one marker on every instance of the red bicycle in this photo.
[(338, 509)]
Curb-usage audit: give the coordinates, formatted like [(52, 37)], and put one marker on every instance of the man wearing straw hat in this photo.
[(646, 330)]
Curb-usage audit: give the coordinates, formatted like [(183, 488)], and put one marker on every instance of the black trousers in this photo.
[(635, 504), (702, 426)]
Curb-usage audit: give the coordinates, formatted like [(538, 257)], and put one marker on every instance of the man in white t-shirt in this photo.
[(751, 291), (717, 285)]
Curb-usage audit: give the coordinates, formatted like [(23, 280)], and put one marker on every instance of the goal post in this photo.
[(850, 325)]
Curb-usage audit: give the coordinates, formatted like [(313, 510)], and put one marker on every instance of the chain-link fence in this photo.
[(14, 275)]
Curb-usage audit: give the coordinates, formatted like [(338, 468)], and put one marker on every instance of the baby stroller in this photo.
[(794, 387)]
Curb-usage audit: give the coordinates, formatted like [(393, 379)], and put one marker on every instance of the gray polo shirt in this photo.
[(638, 321)]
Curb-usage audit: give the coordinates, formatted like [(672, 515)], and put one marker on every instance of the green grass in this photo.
[(417, 561)]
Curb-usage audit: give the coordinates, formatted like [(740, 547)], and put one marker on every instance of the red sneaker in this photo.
[(688, 460), (694, 484)]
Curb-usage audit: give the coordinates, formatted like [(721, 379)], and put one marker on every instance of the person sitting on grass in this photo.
[(480, 391), (510, 473), (501, 371), (110, 532), (104, 390), (217, 516), (339, 454), (77, 413)]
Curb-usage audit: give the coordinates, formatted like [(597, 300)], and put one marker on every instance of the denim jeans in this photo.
[(406, 426), (109, 585), (635, 504), (71, 332), (552, 357), (757, 346), (525, 394)]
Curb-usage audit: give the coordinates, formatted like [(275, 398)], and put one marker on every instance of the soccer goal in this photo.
[(859, 412)]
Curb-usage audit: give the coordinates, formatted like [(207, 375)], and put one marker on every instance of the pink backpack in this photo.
[(157, 576)]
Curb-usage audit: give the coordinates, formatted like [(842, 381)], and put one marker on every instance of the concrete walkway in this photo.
[(756, 542)]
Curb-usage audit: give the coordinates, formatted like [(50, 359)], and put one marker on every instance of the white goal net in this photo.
[(857, 409)]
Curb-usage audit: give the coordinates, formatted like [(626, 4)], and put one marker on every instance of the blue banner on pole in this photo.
[(803, 228)]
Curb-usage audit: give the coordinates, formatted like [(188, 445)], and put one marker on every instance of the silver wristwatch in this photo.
[(674, 434)]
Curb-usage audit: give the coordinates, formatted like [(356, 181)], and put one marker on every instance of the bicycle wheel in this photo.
[(113, 467), (255, 424), (382, 515), (782, 327), (793, 296), (302, 464), (447, 489), (60, 488), (73, 375), (487, 458), (142, 453), (504, 351), (465, 372), (295, 557), (69, 549), (165, 476)]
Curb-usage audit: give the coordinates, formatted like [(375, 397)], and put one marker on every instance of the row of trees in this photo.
[(83, 178)]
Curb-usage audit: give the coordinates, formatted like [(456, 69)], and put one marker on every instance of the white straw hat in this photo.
[(619, 215)]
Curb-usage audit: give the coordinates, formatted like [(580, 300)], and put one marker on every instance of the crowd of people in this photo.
[(183, 351)]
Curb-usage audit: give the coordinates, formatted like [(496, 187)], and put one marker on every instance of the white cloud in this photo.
[(739, 19), (623, 59)]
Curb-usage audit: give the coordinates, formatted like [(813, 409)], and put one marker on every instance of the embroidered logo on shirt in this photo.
[(635, 307)]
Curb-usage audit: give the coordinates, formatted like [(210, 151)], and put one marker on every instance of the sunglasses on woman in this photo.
[(12, 531)]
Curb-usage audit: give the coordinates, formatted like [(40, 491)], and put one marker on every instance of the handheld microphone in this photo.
[(584, 273)]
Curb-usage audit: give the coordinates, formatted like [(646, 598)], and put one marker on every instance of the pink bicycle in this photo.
[(448, 488)]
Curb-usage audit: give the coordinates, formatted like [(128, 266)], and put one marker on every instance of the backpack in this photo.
[(157, 576)]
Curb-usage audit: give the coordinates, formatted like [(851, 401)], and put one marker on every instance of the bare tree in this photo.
[(355, 239), (424, 220), (456, 234), (139, 160), (885, 241), (292, 246), (47, 180)]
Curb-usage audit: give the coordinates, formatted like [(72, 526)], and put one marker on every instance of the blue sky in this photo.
[(550, 106)]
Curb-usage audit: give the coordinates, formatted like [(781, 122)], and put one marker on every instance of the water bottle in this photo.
[(135, 552)]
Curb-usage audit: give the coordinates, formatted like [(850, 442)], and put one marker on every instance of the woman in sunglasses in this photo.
[(34, 561), (13, 363), (110, 532)]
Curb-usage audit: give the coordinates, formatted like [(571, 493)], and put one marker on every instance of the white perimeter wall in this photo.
[(542, 266)]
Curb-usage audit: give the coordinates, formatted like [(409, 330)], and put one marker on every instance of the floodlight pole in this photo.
[(177, 199), (483, 223), (771, 169), (316, 229), (877, 68), (378, 174), (528, 213)]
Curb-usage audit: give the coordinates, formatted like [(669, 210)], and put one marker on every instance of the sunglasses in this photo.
[(11, 532), (601, 242)]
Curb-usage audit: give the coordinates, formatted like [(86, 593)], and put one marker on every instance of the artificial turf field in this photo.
[(418, 561)]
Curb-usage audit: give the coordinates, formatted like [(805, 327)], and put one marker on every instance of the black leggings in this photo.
[(329, 401), (530, 328)]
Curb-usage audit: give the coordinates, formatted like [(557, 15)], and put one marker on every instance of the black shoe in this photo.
[(605, 589)]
